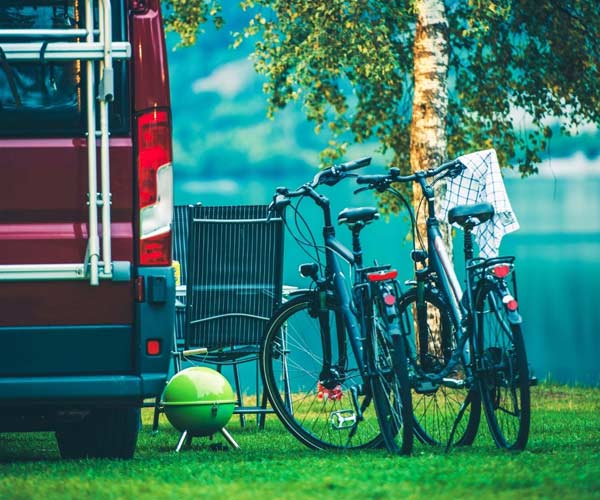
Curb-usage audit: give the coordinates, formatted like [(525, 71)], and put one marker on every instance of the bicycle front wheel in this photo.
[(391, 390), (503, 372), (312, 379), (430, 343)]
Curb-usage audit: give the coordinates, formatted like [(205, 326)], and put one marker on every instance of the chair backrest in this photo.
[(181, 224), (234, 275)]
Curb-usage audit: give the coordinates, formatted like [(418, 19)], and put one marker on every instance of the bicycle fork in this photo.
[(334, 373)]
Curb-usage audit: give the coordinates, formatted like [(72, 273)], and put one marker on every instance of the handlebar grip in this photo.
[(279, 202), (454, 167), (371, 179), (353, 165)]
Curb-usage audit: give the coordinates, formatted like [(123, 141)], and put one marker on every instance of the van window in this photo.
[(48, 98)]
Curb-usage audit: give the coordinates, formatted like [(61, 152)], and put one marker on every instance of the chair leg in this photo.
[(258, 398), (157, 412), (262, 416), (238, 391)]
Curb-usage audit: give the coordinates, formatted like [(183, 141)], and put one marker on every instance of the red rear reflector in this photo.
[(512, 305), (153, 347), (501, 270), (383, 275), (389, 299)]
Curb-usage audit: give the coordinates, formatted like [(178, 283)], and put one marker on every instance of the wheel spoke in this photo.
[(319, 421), (436, 406)]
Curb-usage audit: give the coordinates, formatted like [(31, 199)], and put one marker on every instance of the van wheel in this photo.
[(104, 433), (73, 441)]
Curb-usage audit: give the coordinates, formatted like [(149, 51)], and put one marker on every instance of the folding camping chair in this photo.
[(234, 283), (231, 266)]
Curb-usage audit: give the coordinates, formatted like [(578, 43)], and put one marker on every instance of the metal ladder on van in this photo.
[(97, 47)]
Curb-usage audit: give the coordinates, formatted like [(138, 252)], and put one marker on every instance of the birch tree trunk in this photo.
[(428, 142)]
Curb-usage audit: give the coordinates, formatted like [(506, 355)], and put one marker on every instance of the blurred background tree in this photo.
[(365, 68), (429, 79)]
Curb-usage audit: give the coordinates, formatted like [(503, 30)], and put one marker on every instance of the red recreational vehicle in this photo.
[(86, 200)]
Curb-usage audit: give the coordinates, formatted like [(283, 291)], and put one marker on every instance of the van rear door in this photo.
[(44, 172), (65, 326)]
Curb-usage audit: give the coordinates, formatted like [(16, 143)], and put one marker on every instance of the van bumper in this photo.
[(93, 365), (95, 390)]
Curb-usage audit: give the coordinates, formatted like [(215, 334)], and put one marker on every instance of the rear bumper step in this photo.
[(79, 389)]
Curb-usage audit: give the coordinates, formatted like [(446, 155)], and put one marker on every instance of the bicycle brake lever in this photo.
[(456, 170), (360, 190)]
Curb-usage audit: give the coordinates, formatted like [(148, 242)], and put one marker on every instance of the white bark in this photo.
[(428, 143)]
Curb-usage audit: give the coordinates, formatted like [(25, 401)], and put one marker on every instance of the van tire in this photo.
[(104, 433)]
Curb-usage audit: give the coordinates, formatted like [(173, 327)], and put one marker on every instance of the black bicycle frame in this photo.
[(439, 260), (335, 276), (439, 263)]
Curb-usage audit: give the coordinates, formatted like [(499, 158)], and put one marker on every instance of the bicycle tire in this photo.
[(436, 406), (333, 417), (503, 372), (391, 390)]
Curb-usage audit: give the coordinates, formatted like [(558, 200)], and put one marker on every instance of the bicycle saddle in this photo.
[(352, 216), (473, 214)]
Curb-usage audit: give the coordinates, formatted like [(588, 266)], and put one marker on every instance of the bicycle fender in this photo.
[(514, 317)]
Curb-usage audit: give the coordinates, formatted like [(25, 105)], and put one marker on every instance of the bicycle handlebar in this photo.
[(354, 164), (329, 176), (332, 175), (453, 167)]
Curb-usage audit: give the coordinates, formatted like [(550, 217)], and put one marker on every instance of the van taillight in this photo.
[(155, 187)]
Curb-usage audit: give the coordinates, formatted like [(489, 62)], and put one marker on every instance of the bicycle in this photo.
[(332, 361), (465, 349)]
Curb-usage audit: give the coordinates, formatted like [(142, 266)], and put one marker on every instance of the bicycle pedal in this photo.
[(342, 419), (454, 383)]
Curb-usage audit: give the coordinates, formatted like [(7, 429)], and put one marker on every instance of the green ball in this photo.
[(198, 400)]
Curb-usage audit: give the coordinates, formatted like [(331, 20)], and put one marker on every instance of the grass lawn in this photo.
[(562, 461)]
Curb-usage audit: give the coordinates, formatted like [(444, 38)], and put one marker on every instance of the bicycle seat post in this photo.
[(356, 219), (468, 240), (356, 247)]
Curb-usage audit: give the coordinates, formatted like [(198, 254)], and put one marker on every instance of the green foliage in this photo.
[(540, 57), (349, 63), (561, 461), (186, 17)]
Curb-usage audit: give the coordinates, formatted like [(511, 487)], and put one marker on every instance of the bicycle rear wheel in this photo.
[(391, 390), (503, 372), (325, 408), (436, 407)]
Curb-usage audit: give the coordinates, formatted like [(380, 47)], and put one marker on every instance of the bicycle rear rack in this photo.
[(97, 47)]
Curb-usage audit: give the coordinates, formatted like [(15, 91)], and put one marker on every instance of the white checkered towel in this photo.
[(481, 182)]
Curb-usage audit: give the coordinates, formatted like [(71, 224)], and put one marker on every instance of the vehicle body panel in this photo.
[(68, 344)]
